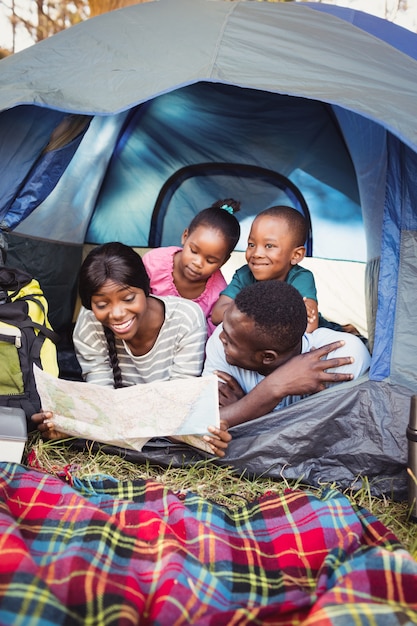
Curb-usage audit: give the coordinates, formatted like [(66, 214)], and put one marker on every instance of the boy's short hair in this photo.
[(295, 220), (278, 311)]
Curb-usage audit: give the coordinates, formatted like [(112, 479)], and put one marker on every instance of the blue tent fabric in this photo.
[(144, 172), (398, 37), (39, 183), (321, 96), (24, 131)]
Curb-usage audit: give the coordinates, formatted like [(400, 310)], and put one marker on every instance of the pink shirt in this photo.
[(159, 264)]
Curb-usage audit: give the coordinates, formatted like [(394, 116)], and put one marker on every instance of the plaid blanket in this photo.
[(105, 553)]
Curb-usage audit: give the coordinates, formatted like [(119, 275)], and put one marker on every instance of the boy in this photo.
[(276, 244)]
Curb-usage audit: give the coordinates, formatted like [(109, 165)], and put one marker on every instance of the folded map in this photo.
[(130, 416)]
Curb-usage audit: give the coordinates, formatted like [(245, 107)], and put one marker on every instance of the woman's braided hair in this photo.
[(113, 358), (121, 264)]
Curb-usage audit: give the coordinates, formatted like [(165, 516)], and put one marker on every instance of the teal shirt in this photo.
[(299, 277)]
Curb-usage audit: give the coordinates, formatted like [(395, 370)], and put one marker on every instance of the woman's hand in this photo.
[(220, 439), (46, 426)]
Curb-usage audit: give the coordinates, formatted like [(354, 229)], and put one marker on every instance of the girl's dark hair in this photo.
[(120, 263), (220, 216)]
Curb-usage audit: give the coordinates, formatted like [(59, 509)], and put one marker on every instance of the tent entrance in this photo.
[(253, 186)]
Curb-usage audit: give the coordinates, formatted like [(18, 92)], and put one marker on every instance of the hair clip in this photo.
[(227, 208)]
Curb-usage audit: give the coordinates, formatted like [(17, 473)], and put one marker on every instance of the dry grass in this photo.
[(219, 484)]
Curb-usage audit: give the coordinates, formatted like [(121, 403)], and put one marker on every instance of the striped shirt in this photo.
[(177, 353)]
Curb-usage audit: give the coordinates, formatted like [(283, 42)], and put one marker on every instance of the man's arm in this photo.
[(304, 374)]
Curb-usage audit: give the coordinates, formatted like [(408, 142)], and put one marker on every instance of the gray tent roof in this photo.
[(112, 62)]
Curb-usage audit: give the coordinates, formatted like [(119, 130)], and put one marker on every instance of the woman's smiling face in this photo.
[(120, 308)]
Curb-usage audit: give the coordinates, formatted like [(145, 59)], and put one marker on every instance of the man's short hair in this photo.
[(278, 310)]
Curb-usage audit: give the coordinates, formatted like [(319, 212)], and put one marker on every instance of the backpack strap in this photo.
[(48, 332), (29, 323)]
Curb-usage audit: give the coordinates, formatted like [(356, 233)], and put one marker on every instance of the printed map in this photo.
[(130, 416)]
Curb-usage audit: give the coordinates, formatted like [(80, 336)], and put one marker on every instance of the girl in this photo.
[(193, 271), (124, 336)]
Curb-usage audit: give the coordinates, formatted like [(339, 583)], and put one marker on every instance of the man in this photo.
[(266, 361)]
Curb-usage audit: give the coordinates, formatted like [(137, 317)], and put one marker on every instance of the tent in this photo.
[(124, 126)]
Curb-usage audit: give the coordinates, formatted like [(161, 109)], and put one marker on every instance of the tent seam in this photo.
[(219, 40)]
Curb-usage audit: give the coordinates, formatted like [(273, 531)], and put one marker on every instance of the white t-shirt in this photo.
[(247, 379)]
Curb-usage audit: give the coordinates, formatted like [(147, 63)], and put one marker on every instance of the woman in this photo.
[(125, 336)]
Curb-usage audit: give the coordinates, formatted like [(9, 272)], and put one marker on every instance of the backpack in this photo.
[(26, 337)]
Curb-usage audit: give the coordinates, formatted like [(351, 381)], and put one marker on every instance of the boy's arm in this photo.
[(304, 374), (219, 308), (303, 280), (239, 280), (312, 315)]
